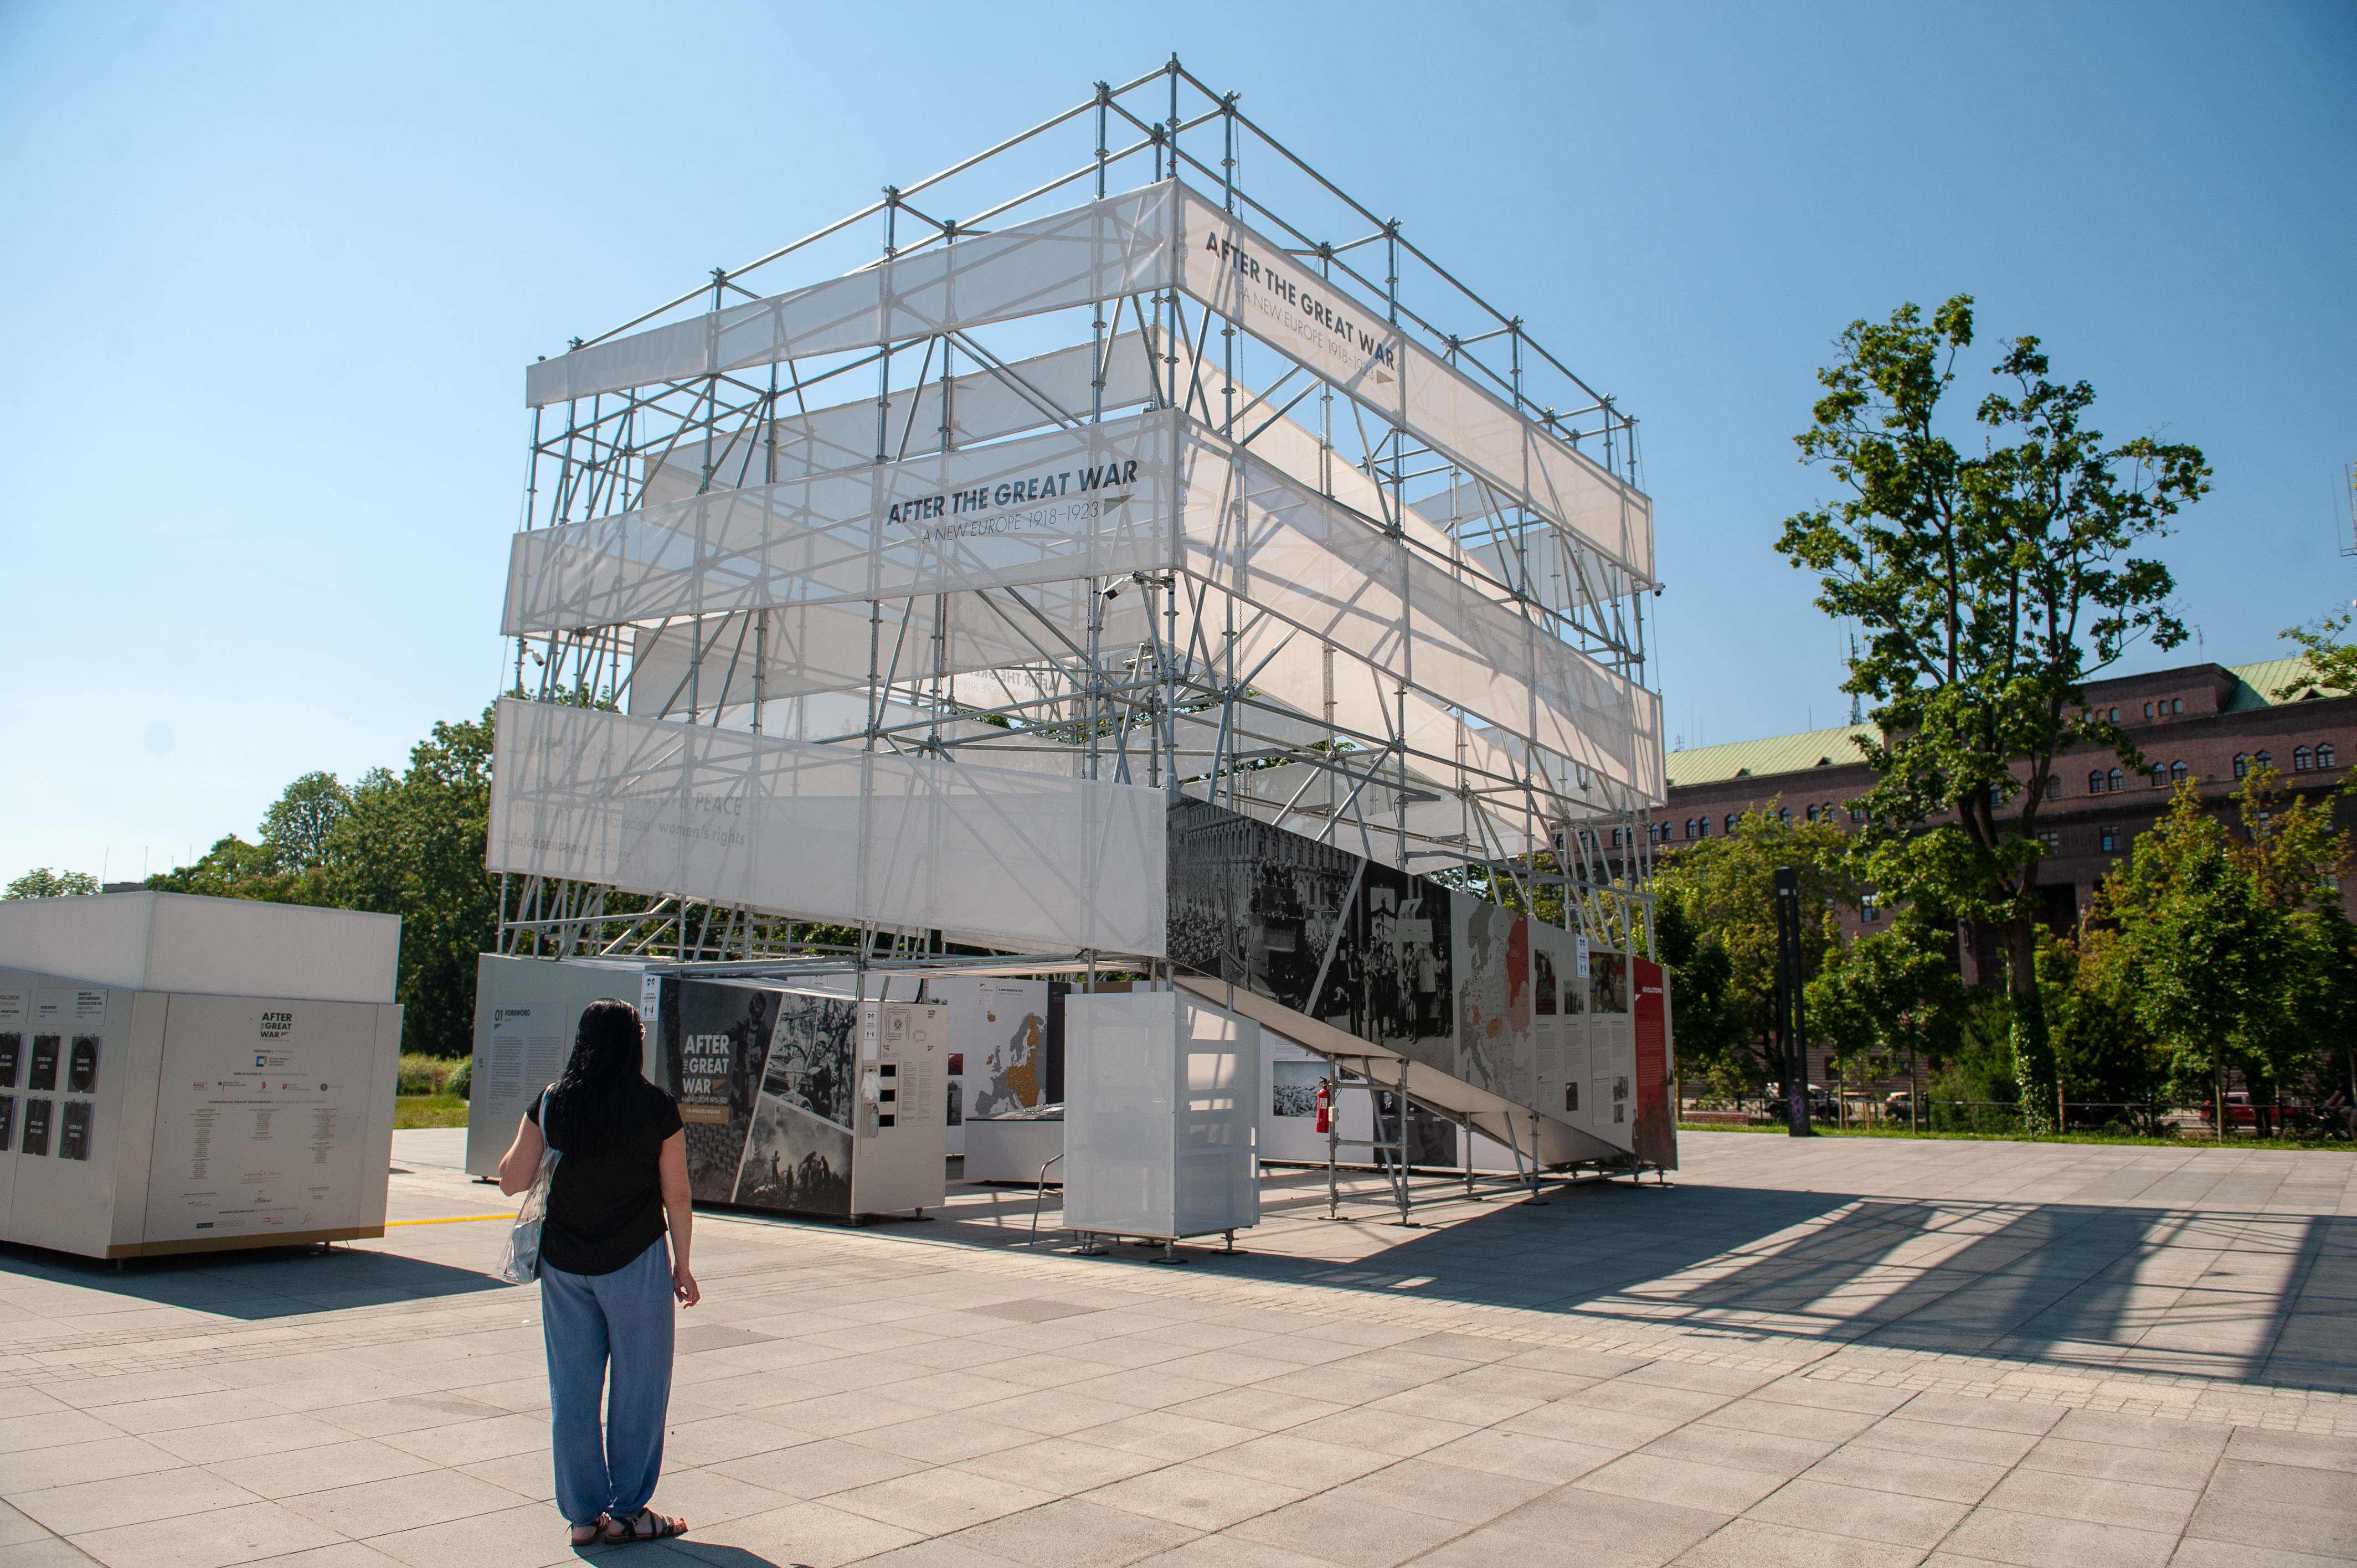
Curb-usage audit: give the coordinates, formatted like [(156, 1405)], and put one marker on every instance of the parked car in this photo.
[(1899, 1106), (2240, 1111)]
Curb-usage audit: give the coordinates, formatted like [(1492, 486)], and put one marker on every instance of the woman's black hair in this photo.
[(603, 1083)]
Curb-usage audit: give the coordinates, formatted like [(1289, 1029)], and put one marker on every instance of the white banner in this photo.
[(1300, 561), (1009, 859), (985, 405), (1102, 251), (1228, 267), (1124, 245), (1086, 502)]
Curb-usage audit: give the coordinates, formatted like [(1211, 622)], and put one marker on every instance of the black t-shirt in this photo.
[(604, 1207)]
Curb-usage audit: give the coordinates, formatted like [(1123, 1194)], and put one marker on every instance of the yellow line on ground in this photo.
[(454, 1219)]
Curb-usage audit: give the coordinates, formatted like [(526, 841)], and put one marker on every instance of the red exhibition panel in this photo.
[(1657, 1126)]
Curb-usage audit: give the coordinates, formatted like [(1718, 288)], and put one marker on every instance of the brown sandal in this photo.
[(656, 1527), (596, 1529)]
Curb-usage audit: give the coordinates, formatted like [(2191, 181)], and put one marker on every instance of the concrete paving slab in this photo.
[(1842, 1351)]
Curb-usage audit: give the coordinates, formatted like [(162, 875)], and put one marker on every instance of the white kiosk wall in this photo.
[(183, 1074), (1161, 1101), (139, 1123), (526, 1012)]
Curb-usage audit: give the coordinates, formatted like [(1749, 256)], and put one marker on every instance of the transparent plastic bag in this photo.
[(519, 1258)]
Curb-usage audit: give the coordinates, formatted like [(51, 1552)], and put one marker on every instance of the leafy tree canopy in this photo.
[(1718, 896), (43, 882), (1991, 578), (2332, 663), (299, 823)]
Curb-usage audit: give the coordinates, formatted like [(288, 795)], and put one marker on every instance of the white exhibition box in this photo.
[(138, 1120), (793, 1100), (212, 947), (1161, 1101), (526, 1012), (1013, 1148)]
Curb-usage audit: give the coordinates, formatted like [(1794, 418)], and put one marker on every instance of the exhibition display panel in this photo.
[(135, 1121), (794, 1100), (526, 1014), (1160, 1122)]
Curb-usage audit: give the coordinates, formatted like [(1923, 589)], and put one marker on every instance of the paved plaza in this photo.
[(1834, 1352)]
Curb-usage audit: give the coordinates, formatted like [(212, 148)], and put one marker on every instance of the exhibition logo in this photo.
[(1303, 312), (1035, 501)]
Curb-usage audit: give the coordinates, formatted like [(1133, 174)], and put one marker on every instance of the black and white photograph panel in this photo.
[(797, 1161)]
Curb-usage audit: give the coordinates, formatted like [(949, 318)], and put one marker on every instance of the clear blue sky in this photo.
[(273, 273)]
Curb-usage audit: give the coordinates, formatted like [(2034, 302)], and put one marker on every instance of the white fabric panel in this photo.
[(1115, 246), (825, 647), (1070, 503), (1300, 563), (1232, 269), (827, 832), (984, 406), (1303, 560)]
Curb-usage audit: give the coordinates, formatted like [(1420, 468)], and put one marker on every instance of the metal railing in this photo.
[(2136, 1118)]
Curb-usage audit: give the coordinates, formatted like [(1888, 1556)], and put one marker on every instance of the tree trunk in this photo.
[(2033, 1048)]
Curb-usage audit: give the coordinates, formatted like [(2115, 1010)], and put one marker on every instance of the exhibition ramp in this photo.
[(1542, 1140)]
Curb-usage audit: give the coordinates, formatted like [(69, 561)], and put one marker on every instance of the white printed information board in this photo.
[(263, 1121)]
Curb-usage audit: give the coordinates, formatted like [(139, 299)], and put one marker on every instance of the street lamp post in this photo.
[(1792, 1023)]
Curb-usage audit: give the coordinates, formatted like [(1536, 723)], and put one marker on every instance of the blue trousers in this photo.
[(593, 1322)]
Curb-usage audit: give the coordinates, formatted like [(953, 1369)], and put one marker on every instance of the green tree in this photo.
[(2240, 949), (234, 868), (2102, 1053), (2332, 663), (43, 882), (1889, 998), (297, 828), (413, 845), (2190, 917), (1989, 586), (1724, 892)]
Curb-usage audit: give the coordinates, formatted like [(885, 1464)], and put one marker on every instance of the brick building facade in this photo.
[(2206, 723)]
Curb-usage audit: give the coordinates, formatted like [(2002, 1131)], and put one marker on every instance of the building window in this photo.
[(1690, 827), (1731, 821), (2242, 765), (2301, 756), (1857, 813), (1869, 909), (2160, 775), (2118, 779), (2094, 781), (2147, 710), (2177, 773), (2054, 788), (2324, 756), (2109, 839), (2115, 715), (1783, 816), (1812, 811), (2177, 705), (2262, 759), (2052, 840)]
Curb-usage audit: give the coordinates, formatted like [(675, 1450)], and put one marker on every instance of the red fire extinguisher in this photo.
[(1325, 1107)]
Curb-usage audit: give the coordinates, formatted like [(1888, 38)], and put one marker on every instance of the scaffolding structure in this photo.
[(1340, 423)]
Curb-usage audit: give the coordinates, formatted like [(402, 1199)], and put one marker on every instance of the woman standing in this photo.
[(605, 1279)]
